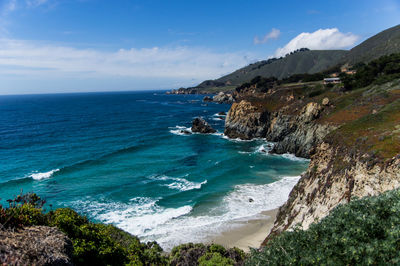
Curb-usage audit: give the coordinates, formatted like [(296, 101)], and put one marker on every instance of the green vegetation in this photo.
[(305, 62), (383, 43), (204, 255), (364, 232), (300, 62), (100, 244), (379, 71), (94, 244)]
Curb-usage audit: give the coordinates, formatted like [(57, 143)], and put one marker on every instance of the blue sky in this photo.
[(98, 45)]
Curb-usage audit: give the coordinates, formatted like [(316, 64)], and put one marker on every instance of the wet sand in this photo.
[(250, 233)]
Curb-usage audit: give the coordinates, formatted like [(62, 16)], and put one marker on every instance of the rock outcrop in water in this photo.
[(199, 125)]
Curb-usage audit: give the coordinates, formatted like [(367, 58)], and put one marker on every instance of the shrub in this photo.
[(365, 231), (379, 71), (214, 258), (200, 254), (24, 209), (315, 93), (94, 244)]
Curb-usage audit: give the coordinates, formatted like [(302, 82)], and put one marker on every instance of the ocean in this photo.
[(121, 158)]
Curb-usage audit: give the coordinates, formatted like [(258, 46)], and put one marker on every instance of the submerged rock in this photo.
[(186, 132), (207, 99), (201, 126)]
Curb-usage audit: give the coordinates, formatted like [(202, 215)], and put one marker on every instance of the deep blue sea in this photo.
[(120, 158)]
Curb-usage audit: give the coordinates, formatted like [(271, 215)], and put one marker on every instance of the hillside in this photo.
[(296, 63), (350, 132), (308, 61), (384, 43)]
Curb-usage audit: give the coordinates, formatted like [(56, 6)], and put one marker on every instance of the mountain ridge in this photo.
[(308, 61)]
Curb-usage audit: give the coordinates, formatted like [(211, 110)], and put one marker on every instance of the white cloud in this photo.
[(27, 59), (274, 34), (322, 39)]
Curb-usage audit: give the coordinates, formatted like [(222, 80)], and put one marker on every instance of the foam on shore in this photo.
[(148, 220)]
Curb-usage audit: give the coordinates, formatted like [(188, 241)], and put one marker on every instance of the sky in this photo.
[(53, 46)]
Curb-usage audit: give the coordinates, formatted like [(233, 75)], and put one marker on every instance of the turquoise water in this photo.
[(120, 158)]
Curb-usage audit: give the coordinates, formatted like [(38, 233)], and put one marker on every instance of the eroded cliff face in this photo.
[(352, 138), (294, 133), (246, 121), (335, 176)]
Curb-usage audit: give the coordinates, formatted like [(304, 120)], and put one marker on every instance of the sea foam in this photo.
[(179, 183), (44, 175), (148, 220), (293, 157), (179, 130)]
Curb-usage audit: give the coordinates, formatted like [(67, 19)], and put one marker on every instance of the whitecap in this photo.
[(178, 183), (218, 115), (264, 148), (181, 130), (293, 157), (173, 226), (264, 197), (185, 185), (40, 176)]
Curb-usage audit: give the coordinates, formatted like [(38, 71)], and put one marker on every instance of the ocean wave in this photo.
[(44, 175), (264, 148), (181, 130), (293, 157), (148, 220), (218, 115), (185, 185), (178, 183), (249, 199), (239, 139)]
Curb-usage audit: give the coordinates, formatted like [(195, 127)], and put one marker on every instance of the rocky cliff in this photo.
[(352, 138), (335, 176), (246, 121), (294, 133)]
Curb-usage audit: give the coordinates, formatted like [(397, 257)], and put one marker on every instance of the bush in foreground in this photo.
[(100, 244), (205, 255), (364, 232), (93, 244)]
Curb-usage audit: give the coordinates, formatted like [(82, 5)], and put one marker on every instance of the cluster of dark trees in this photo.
[(379, 71), (260, 83)]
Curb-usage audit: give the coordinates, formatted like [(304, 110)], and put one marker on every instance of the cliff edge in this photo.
[(352, 137)]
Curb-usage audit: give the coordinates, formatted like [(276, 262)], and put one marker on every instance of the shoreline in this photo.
[(250, 233)]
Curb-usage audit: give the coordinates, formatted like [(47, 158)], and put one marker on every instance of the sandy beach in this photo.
[(250, 233)]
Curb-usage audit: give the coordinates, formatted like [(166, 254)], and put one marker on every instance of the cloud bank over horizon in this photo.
[(30, 59), (322, 39)]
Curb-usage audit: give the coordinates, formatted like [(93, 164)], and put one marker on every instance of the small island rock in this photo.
[(201, 126)]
